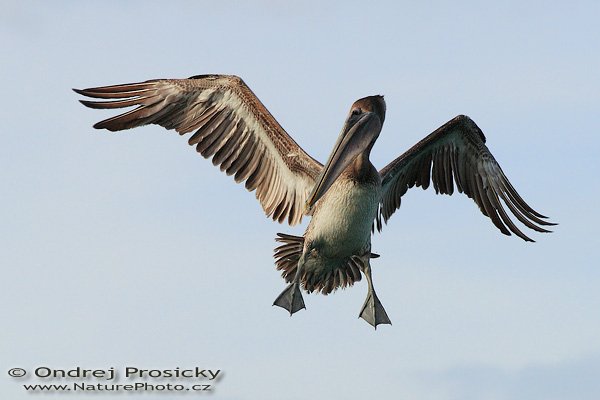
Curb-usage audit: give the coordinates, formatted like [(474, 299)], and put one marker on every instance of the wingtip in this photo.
[(102, 125), (548, 223), (83, 92), (88, 104)]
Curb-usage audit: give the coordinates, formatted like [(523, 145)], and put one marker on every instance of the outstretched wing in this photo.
[(456, 152), (231, 125)]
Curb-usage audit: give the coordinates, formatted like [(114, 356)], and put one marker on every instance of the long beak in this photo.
[(355, 138)]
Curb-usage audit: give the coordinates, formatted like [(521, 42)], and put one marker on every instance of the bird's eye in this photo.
[(356, 111)]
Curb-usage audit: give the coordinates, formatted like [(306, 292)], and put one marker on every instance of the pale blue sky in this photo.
[(130, 249)]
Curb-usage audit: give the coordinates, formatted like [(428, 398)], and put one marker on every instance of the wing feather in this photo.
[(230, 124), (456, 153)]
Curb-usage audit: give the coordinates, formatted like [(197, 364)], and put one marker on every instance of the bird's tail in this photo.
[(288, 254), (323, 280)]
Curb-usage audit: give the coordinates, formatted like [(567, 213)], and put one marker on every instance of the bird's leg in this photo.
[(291, 298), (372, 311)]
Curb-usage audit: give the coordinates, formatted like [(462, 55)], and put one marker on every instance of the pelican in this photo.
[(347, 198)]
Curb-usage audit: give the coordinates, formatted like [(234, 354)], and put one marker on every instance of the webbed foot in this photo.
[(291, 299), (373, 312)]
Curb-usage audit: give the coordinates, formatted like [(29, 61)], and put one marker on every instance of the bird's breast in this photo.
[(342, 220)]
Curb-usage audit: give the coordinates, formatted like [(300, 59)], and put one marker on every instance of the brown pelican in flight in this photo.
[(346, 198)]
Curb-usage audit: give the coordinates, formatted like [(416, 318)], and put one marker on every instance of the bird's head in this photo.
[(373, 104), (358, 135)]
